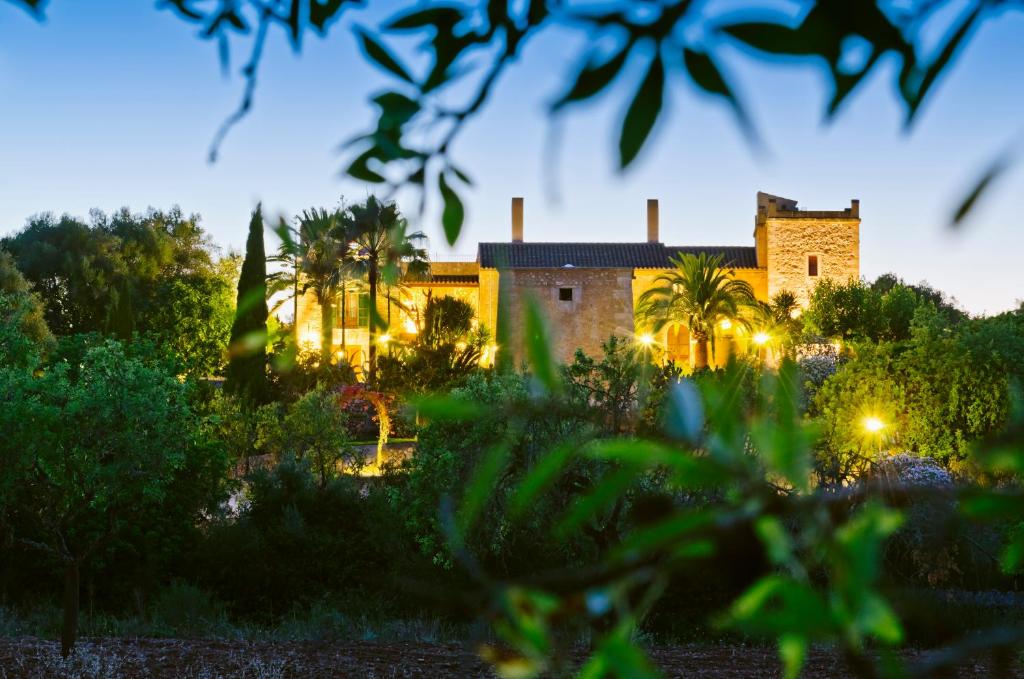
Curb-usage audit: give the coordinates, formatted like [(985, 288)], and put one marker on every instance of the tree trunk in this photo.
[(372, 280), (700, 354), (295, 302), (326, 331), (69, 631), (344, 310)]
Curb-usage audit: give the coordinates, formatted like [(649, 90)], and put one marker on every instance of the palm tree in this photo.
[(379, 239), (322, 252), (699, 293), (287, 279), (780, 320)]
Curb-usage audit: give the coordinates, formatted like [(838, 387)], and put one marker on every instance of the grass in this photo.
[(318, 623)]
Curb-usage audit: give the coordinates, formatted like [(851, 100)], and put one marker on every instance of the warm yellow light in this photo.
[(795, 313), (873, 424), (309, 339), (726, 324), (761, 338), (384, 339), (411, 327), (645, 339), (461, 346)]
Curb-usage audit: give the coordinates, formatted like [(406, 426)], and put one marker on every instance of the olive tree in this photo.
[(84, 451)]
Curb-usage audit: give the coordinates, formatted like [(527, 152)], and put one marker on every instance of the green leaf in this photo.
[(593, 78), (777, 605), (607, 491), (651, 538), (705, 73), (775, 538), (987, 504), (446, 408), (396, 109), (424, 18), (540, 477), (878, 619), (967, 204), (482, 483), (454, 213), (690, 470), (772, 38), (626, 660), (643, 113), (538, 347), (684, 412), (793, 652), (381, 56), (360, 169)]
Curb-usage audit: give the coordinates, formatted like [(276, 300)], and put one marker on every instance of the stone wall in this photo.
[(833, 237), (602, 306)]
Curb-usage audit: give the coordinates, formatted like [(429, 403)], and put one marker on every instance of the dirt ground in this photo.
[(160, 658)]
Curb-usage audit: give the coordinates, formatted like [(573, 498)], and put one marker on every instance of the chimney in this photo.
[(652, 220), (517, 220), (855, 208)]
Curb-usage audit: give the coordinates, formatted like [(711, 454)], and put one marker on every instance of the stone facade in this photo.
[(599, 304), (803, 247), (589, 291)]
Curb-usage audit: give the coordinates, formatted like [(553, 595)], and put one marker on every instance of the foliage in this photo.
[(24, 337), (153, 273), (937, 393), (854, 310), (325, 261), (297, 542), (78, 474), (195, 317), (447, 456), (698, 293), (614, 389), (382, 243), (296, 373), (445, 352), (246, 373), (780, 319), (315, 428), (470, 48)]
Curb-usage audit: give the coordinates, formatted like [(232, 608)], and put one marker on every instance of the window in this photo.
[(564, 294), (364, 311), (812, 265)]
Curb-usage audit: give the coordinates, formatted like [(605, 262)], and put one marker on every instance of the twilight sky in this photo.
[(111, 102)]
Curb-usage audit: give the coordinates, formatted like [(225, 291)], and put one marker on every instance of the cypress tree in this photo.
[(247, 366)]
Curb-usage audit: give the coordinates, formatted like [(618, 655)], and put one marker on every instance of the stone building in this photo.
[(589, 291)]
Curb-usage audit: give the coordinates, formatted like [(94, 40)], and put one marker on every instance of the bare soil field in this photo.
[(160, 658)]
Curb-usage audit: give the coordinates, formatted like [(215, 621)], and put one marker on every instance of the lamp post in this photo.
[(874, 426)]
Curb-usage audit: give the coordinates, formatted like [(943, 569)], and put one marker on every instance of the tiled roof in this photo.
[(449, 279), (739, 256), (601, 255)]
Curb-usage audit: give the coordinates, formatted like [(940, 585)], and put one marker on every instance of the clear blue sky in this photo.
[(111, 102)]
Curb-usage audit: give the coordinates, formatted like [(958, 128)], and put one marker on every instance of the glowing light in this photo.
[(873, 424), (411, 327), (645, 339), (761, 338), (725, 324), (311, 339), (384, 339), (461, 346), (795, 313)]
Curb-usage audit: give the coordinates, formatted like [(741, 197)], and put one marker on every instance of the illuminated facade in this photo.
[(589, 291)]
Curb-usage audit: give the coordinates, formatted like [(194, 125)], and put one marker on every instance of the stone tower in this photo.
[(798, 248)]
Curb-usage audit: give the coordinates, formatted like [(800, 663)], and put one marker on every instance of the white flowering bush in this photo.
[(816, 367), (934, 548)]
